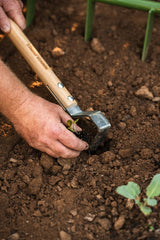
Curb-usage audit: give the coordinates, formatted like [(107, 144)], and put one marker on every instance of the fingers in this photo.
[(68, 139), (56, 149), (4, 21), (59, 150), (65, 136), (58, 142), (12, 9), (20, 3), (65, 117)]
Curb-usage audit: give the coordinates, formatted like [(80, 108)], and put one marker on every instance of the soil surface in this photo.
[(43, 198)]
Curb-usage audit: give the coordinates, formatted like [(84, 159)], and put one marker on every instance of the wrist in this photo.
[(23, 107)]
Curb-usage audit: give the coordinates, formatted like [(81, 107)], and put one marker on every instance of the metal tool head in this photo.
[(100, 121)]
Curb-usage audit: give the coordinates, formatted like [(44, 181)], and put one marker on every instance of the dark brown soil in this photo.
[(42, 198)]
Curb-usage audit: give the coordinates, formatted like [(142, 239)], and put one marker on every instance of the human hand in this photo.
[(42, 125), (11, 9)]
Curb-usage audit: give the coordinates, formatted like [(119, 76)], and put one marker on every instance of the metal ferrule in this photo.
[(73, 110)]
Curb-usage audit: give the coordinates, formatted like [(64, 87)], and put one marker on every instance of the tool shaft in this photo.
[(41, 68)]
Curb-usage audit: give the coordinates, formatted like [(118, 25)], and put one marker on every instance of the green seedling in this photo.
[(80, 134), (132, 191), (151, 228), (71, 125)]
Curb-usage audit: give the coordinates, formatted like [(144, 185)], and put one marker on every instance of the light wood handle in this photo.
[(40, 67)]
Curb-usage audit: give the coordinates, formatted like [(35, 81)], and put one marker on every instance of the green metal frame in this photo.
[(30, 11), (150, 6)]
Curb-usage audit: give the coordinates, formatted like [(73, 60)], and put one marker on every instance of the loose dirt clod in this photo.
[(90, 217), (108, 156), (53, 180), (97, 46), (119, 223), (144, 92), (125, 152), (57, 52), (46, 161), (14, 236), (105, 223), (35, 185), (64, 236)]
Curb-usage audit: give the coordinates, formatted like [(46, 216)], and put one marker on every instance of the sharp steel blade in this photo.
[(102, 125), (98, 118)]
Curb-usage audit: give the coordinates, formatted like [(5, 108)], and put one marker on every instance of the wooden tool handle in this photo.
[(40, 67)]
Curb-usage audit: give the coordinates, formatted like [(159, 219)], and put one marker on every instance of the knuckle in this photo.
[(42, 140), (21, 4), (9, 6), (3, 17), (59, 108), (57, 151), (54, 132)]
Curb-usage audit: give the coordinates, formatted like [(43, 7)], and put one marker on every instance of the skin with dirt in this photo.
[(46, 198)]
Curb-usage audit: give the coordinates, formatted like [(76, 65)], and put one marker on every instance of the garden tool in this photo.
[(55, 86)]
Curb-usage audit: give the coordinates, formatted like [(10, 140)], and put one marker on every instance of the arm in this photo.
[(39, 122)]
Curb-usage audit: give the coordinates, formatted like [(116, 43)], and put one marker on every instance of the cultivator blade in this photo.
[(101, 123)]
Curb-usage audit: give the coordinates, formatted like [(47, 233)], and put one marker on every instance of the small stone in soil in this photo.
[(90, 217), (14, 236), (105, 223), (64, 236), (119, 223)]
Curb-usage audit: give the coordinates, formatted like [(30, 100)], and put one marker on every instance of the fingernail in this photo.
[(5, 28)]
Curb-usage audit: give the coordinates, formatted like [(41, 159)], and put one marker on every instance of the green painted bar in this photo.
[(30, 11), (148, 34), (137, 4), (89, 20)]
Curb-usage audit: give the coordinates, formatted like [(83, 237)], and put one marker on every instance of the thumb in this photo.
[(14, 11)]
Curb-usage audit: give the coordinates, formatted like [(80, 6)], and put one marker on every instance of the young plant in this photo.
[(80, 134), (71, 125), (132, 191)]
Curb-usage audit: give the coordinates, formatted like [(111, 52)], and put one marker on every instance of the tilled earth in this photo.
[(43, 198)]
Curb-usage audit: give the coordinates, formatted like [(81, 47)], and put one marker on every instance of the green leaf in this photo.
[(131, 190), (146, 210), (151, 227), (69, 122), (76, 120), (150, 201), (153, 189), (137, 202)]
